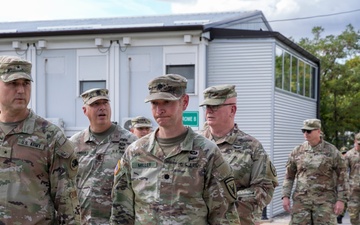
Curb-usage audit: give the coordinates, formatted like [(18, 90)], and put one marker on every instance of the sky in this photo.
[(292, 18)]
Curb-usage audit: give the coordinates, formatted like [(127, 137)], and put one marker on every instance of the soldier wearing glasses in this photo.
[(255, 175), (321, 187)]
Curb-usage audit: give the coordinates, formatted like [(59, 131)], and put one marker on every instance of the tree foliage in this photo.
[(340, 81)]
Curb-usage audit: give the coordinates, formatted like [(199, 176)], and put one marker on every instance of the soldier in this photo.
[(140, 126), (321, 187), (352, 160), (343, 151), (98, 148), (255, 175), (37, 162), (173, 175)]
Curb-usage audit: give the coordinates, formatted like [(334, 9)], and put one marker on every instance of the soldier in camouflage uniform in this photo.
[(37, 162), (140, 126), (352, 160), (255, 175), (173, 175), (343, 151), (98, 148), (321, 187)]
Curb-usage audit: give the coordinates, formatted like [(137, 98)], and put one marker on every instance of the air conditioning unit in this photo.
[(58, 122)]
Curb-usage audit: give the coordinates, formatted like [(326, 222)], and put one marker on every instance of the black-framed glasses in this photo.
[(215, 107), (307, 131)]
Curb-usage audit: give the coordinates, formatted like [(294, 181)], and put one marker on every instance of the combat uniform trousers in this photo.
[(313, 214), (354, 207)]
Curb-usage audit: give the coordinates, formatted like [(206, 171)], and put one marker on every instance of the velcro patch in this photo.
[(74, 163), (231, 187)]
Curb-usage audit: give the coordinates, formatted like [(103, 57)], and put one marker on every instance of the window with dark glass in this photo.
[(89, 84), (187, 71)]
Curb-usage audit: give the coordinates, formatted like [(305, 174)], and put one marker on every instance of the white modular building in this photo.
[(277, 81)]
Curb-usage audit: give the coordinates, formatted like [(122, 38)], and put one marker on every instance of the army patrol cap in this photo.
[(167, 87), (217, 95), (311, 124), (140, 121), (343, 150), (357, 137), (13, 68), (92, 95)]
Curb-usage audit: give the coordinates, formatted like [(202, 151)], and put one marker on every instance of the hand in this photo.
[(339, 207), (286, 204)]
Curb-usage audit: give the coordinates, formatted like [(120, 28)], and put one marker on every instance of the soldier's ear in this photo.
[(84, 109), (185, 101), (233, 109)]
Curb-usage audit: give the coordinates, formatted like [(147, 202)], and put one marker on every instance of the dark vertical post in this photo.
[(264, 214)]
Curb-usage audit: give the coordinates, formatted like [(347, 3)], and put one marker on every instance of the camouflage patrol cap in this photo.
[(311, 124), (140, 121), (343, 149), (357, 137), (13, 68), (217, 95), (167, 87), (92, 95)]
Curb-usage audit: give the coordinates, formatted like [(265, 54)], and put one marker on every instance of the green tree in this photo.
[(339, 81)]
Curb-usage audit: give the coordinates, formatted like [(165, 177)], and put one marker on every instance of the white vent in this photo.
[(133, 25), (192, 22), (8, 31), (71, 27)]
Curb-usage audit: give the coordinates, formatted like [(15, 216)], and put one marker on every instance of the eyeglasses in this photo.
[(215, 107), (307, 131)]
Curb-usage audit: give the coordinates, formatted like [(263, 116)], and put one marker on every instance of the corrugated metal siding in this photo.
[(248, 65), (290, 112)]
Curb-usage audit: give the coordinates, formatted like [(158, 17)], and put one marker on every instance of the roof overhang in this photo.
[(53, 33), (220, 33)]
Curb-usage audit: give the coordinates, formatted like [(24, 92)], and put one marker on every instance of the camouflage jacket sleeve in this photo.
[(342, 177), (267, 181), (352, 163), (62, 181), (263, 179), (290, 173), (122, 211), (220, 192)]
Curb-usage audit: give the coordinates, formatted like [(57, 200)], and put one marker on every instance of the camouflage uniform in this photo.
[(140, 126), (255, 175), (343, 151), (189, 183), (321, 181), (95, 178), (255, 182), (97, 160), (37, 171), (192, 185), (352, 160)]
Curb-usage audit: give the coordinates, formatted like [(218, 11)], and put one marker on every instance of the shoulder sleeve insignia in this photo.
[(273, 169), (231, 187), (74, 163), (117, 168)]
